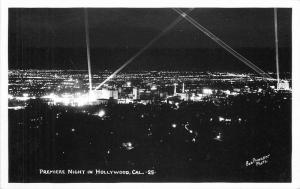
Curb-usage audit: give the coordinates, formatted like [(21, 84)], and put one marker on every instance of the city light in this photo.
[(207, 91), (221, 119), (153, 87), (101, 113), (68, 99), (17, 107), (128, 145), (218, 137), (73, 93), (165, 117)]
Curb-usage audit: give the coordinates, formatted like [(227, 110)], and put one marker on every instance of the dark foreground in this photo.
[(198, 142)]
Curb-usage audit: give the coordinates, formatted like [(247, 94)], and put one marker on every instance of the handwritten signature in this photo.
[(258, 161)]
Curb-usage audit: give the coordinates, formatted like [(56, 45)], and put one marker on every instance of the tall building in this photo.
[(183, 95), (135, 93), (175, 92)]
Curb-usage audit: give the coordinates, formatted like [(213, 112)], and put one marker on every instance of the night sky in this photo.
[(44, 38)]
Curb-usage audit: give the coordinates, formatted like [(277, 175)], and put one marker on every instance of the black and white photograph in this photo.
[(151, 95)]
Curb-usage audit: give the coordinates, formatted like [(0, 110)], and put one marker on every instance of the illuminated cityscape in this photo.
[(202, 108), (173, 121), (71, 87)]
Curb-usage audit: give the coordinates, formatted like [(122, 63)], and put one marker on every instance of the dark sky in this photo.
[(54, 38)]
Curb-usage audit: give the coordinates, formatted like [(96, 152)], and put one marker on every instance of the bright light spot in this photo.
[(16, 107), (153, 87), (128, 83), (81, 101), (221, 119), (76, 99), (101, 113), (227, 92), (73, 130), (128, 145), (218, 137), (207, 91), (174, 125), (25, 94), (228, 120), (191, 131), (21, 98)]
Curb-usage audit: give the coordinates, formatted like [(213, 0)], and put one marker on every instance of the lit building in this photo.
[(135, 93), (206, 91), (106, 94), (175, 92), (283, 85), (197, 97), (182, 95)]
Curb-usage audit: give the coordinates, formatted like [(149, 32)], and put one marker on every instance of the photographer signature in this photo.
[(258, 161)]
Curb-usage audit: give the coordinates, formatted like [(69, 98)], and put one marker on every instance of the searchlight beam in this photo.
[(170, 26), (223, 44), (88, 48)]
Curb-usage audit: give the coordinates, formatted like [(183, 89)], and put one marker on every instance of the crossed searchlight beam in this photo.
[(184, 15), (168, 28)]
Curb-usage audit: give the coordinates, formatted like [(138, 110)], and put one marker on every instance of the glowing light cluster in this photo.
[(76, 99), (207, 91), (128, 145), (222, 119), (219, 137), (101, 113)]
